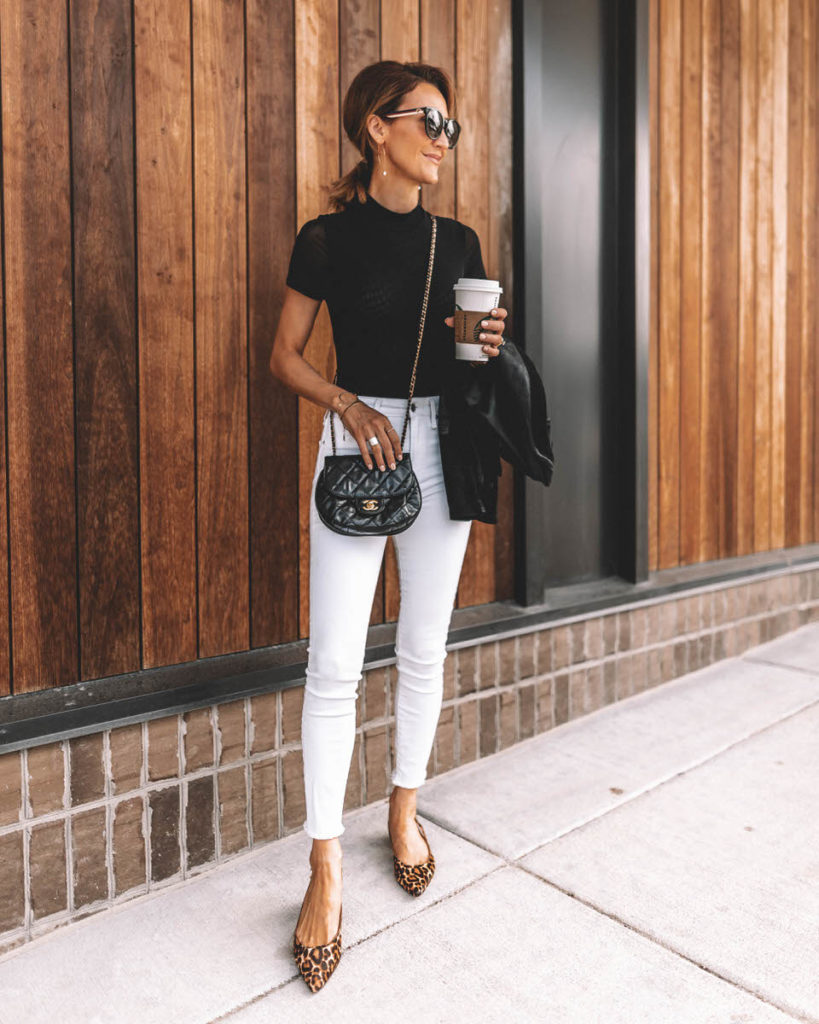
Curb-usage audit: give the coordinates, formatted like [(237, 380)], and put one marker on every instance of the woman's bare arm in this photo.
[(289, 365), (287, 362)]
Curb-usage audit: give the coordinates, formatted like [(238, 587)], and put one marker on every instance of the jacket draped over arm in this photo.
[(487, 413)]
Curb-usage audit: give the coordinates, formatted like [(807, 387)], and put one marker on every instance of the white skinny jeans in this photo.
[(343, 576)]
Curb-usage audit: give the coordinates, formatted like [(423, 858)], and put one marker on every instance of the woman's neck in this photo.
[(400, 197)]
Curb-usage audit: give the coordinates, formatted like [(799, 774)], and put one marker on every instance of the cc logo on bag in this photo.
[(371, 505)]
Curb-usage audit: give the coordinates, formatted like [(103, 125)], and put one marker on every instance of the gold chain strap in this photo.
[(421, 329), (418, 349)]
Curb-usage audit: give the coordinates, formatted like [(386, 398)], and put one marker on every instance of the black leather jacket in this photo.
[(486, 413)]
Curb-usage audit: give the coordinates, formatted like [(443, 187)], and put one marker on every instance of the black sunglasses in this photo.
[(434, 123)]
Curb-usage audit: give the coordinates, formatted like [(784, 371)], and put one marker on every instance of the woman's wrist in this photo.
[(342, 400), (347, 407)]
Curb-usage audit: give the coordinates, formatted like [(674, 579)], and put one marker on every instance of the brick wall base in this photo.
[(90, 822)]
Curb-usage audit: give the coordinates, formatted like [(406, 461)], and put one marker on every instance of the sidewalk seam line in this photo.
[(638, 794), (666, 946), (778, 664), (360, 942)]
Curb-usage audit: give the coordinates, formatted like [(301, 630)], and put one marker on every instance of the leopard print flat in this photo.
[(317, 963), (414, 878)]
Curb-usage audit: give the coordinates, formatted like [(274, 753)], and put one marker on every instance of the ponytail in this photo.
[(350, 187)]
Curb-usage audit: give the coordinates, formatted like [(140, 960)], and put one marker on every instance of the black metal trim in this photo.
[(642, 286), (620, 396), (527, 99), (625, 283), (518, 313)]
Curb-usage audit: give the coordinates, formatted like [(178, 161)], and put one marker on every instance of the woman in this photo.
[(368, 259)]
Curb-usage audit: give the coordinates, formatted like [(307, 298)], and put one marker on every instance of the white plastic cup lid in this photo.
[(476, 284)]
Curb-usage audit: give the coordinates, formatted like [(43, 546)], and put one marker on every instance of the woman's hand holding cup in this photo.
[(492, 334), (363, 422)]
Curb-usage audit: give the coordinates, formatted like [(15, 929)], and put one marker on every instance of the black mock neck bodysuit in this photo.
[(369, 264)]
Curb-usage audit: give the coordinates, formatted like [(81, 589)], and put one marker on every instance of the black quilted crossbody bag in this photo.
[(362, 502)]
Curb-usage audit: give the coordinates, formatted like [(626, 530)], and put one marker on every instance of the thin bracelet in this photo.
[(346, 407), (341, 414)]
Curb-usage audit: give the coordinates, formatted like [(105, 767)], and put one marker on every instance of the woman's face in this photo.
[(407, 149)]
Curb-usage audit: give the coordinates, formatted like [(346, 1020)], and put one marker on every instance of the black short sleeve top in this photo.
[(369, 264)]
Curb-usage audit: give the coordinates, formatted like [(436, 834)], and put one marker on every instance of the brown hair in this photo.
[(378, 89)]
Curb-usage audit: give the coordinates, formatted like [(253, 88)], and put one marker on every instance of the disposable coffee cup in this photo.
[(474, 298)]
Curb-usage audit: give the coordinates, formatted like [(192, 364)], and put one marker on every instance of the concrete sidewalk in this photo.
[(656, 861)]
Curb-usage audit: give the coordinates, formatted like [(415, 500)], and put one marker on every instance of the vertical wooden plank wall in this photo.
[(483, 200), (220, 326), (317, 164), (734, 446), (41, 499), (166, 357), (273, 410), (158, 159), (102, 148)]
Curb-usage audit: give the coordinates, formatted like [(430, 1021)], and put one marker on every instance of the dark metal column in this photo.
[(578, 114)]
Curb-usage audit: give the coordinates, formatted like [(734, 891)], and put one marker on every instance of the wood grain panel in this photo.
[(438, 48), (746, 230), (317, 163), (780, 273), (691, 448), (807, 383), (273, 408), (359, 44), (5, 611), (499, 241), (668, 369), (810, 271), (399, 30), (39, 344), (727, 383), (473, 202), (221, 326), (711, 463), (747, 255), (102, 142), (814, 317), (166, 354), (763, 312), (793, 307)]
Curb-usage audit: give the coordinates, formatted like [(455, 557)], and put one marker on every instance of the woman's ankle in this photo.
[(403, 802), (326, 853)]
